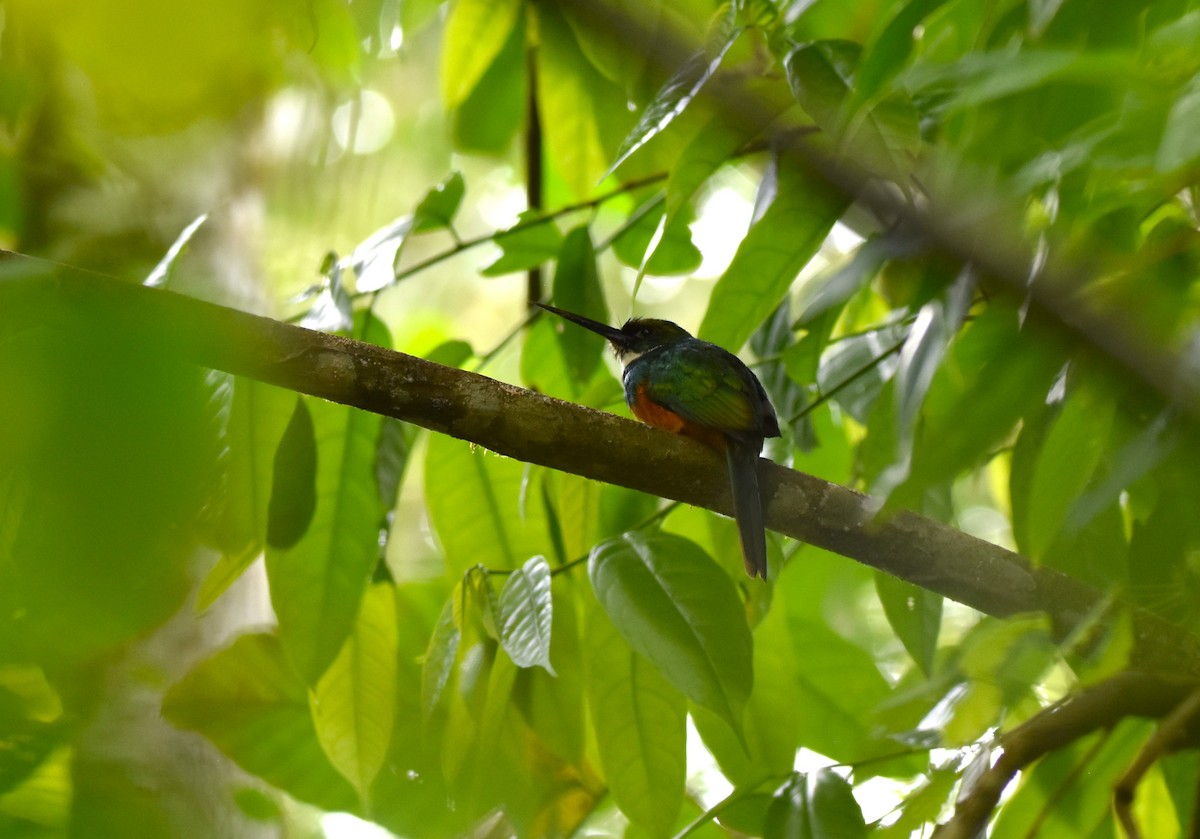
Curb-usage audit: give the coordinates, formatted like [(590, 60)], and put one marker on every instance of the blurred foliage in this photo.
[(436, 657)]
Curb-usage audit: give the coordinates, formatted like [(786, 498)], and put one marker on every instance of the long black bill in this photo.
[(609, 332)]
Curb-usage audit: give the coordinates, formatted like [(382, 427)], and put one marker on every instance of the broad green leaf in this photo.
[(815, 806), (577, 289), (527, 614), (677, 94), (553, 705), (768, 259), (773, 721), (639, 720), (488, 119), (440, 204), (258, 417), (249, 702), (475, 32), (294, 481), (28, 744), (674, 605), (1070, 451), (579, 107), (1180, 144), (353, 703), (317, 583), (887, 53), (43, 798), (915, 615), (476, 507), (883, 136), (392, 451), (527, 244), (441, 654), (674, 251)]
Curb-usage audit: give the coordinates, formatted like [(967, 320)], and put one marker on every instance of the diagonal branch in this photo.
[(538, 429)]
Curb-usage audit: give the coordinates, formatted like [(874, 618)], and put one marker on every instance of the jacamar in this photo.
[(680, 383)]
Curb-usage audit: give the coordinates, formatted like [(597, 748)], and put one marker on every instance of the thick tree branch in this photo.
[(537, 429), (1092, 709)]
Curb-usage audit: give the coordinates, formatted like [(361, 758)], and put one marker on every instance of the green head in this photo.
[(636, 337)]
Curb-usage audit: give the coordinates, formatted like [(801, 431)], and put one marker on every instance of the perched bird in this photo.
[(680, 383)]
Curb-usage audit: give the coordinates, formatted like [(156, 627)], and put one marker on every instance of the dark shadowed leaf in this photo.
[(577, 289), (439, 206), (294, 481), (817, 805)]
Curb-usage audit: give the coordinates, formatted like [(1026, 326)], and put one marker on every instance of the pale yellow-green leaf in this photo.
[(353, 704)]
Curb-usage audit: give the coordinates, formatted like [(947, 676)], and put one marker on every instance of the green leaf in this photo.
[(249, 702), (527, 244), (886, 54), (294, 481), (995, 373), (475, 32), (677, 94), (815, 806), (392, 451), (915, 615), (441, 654), (640, 725), (553, 705), (780, 243), (577, 289), (353, 703), (476, 507), (486, 121), (773, 717), (674, 605), (440, 204), (1071, 449), (884, 136), (1180, 144), (526, 615), (579, 107), (258, 417), (1049, 802), (317, 583)]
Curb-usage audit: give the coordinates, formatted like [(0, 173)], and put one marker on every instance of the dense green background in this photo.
[(425, 645)]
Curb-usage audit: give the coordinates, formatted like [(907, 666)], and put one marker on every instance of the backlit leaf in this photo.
[(639, 718), (475, 32), (440, 204), (768, 259), (353, 703), (526, 615)]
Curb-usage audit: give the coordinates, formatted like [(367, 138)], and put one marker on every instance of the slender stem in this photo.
[(533, 165)]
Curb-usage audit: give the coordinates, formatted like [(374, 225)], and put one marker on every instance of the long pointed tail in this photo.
[(747, 506)]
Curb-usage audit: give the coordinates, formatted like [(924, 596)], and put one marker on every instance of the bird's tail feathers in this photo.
[(747, 506)]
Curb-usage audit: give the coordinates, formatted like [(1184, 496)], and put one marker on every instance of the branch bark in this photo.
[(1101, 706), (538, 429)]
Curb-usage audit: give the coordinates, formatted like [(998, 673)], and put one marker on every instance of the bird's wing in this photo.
[(704, 385)]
